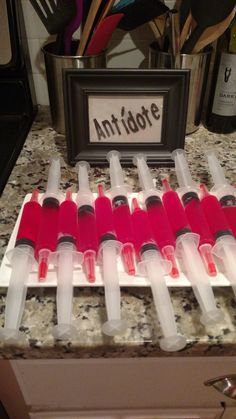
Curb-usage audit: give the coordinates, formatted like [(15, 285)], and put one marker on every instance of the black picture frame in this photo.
[(80, 84)]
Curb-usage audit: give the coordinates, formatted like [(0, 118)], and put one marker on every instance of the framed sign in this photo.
[(125, 109)]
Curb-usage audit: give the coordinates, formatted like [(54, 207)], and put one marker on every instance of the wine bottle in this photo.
[(221, 111)]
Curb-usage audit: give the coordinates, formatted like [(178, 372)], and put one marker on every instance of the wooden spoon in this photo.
[(185, 31), (212, 33), (88, 26), (206, 13)]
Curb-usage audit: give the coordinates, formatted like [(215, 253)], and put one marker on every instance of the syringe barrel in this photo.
[(142, 232), (182, 170), (29, 223), (84, 195), (54, 176), (116, 173), (104, 218), (87, 229), (215, 216), (228, 205), (48, 227), (82, 168), (122, 219), (145, 178), (216, 170), (159, 222), (68, 221), (197, 218), (198, 278), (172, 341), (65, 284), (21, 260), (175, 213)]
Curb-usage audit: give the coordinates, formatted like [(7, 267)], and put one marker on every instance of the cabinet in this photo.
[(158, 414), (135, 384)]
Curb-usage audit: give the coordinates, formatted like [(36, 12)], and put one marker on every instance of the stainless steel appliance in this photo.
[(17, 99)]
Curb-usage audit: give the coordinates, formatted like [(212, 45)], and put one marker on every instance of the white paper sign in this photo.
[(121, 118)]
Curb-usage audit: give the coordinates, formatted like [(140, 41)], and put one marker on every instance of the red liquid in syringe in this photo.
[(175, 211), (29, 223), (87, 239), (67, 222), (124, 230), (199, 225), (228, 205), (47, 236), (104, 217), (142, 230), (214, 214), (162, 231)]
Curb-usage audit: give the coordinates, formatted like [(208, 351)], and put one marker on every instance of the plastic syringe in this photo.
[(121, 211), (223, 190), (87, 233), (22, 260), (192, 205), (47, 237), (225, 246), (158, 219), (66, 259), (187, 249), (109, 248), (154, 267)]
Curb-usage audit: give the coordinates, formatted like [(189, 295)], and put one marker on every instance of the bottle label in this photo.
[(224, 103)]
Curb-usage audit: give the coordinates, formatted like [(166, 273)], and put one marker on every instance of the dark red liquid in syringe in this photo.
[(68, 221), (228, 204), (159, 222), (87, 230), (214, 214), (161, 230), (124, 231), (29, 222), (87, 242), (47, 236), (104, 217), (143, 237), (196, 218), (199, 225), (175, 211)]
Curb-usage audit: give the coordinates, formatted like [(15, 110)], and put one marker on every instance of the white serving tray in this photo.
[(79, 278)]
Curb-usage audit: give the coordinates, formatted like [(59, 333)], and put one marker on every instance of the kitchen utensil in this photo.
[(88, 26), (206, 13), (225, 384), (174, 32), (55, 17), (184, 11), (185, 30), (121, 4), (106, 10), (212, 33), (155, 31), (103, 34), (72, 26), (160, 23), (140, 12)]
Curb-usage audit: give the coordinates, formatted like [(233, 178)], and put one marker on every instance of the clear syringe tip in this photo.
[(216, 170), (54, 176), (118, 186), (182, 170), (145, 178)]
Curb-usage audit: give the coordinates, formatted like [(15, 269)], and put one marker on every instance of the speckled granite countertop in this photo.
[(142, 337)]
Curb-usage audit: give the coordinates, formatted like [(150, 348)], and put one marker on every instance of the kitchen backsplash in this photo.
[(125, 49)]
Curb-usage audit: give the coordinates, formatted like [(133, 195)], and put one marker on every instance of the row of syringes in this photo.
[(68, 233)]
